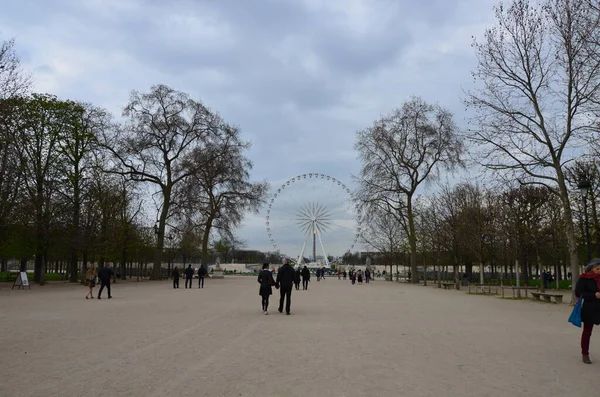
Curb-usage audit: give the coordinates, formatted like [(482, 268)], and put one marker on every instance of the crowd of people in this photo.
[(189, 276)]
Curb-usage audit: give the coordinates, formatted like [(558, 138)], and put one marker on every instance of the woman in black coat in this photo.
[(265, 279), (588, 288)]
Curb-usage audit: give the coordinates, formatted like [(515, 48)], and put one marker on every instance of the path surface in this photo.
[(381, 339)]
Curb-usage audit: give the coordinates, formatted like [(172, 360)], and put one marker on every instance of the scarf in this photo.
[(592, 276)]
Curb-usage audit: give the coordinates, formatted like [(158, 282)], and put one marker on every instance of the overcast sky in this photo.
[(299, 77)]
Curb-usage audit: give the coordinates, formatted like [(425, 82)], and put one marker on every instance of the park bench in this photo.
[(514, 289), (448, 285), (547, 297)]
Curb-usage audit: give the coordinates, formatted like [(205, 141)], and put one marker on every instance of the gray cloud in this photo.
[(299, 77)]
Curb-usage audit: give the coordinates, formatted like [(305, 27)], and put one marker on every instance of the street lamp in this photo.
[(584, 187)]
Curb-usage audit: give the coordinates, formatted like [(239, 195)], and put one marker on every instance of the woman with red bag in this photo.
[(588, 289)]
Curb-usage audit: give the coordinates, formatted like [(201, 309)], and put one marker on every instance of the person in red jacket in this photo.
[(588, 288)]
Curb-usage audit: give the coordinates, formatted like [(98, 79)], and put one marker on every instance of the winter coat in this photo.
[(105, 274), (305, 274), (590, 311), (263, 279), (285, 276)]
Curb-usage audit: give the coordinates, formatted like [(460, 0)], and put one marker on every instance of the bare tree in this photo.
[(400, 152), (219, 191), (13, 81), (539, 69), (385, 235), (164, 126)]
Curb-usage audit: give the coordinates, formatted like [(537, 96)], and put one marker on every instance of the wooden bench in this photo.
[(547, 297)]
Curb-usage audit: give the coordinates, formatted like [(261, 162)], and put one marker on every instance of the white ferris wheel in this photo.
[(314, 210)]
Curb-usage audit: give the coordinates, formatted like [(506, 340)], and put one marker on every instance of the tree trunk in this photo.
[(412, 240), (596, 223), (205, 236), (160, 238), (569, 230)]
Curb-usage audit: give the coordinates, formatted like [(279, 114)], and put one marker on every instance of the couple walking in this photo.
[(91, 277), (284, 282)]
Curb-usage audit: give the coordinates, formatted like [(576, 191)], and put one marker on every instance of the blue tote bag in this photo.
[(575, 317)]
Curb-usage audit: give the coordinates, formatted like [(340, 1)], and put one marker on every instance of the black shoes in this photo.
[(280, 310), (586, 359)]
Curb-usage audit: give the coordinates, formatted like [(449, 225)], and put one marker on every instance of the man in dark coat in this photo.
[(297, 279), (189, 274), (305, 277), (104, 275), (175, 275), (285, 282), (201, 275)]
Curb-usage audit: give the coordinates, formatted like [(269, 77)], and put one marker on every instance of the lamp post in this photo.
[(584, 187)]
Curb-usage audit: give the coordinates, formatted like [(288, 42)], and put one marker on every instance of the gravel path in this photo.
[(379, 339)]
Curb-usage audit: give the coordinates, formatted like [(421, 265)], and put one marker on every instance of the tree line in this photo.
[(74, 181), (534, 129)]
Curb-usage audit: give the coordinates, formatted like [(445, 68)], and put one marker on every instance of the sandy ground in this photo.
[(380, 339)]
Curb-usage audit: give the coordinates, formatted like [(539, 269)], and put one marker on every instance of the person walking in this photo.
[(201, 275), (588, 289), (367, 275), (105, 274), (175, 275), (305, 277), (265, 279), (189, 274), (297, 277), (90, 279), (285, 281)]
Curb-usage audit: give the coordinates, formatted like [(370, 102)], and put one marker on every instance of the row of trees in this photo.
[(76, 183), (535, 128)]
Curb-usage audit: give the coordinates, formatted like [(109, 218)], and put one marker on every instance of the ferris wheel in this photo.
[(314, 210)]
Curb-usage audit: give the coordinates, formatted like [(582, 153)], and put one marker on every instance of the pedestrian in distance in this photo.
[(90, 279), (305, 277), (265, 279), (285, 282), (105, 274), (588, 289), (201, 275), (189, 275), (297, 277), (175, 275)]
